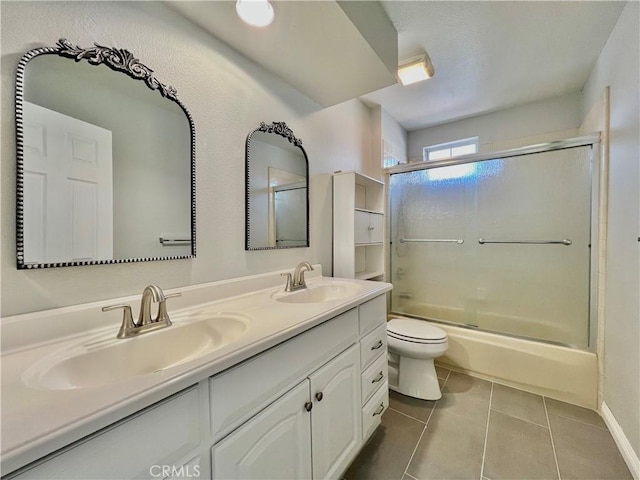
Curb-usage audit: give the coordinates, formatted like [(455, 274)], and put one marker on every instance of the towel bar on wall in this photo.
[(170, 242)]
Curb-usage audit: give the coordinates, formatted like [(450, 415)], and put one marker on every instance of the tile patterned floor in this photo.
[(486, 431)]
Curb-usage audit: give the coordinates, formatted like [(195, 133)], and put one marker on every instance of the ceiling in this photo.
[(491, 55), (488, 55), (330, 51)]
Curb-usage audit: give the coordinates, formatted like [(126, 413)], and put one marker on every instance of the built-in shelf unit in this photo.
[(358, 226)]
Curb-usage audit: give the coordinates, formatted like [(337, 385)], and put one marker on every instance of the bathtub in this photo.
[(557, 372)]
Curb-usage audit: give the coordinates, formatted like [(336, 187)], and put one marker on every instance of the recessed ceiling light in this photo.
[(258, 13), (415, 70)]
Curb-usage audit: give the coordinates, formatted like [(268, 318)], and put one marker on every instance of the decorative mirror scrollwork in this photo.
[(105, 166), (277, 189)]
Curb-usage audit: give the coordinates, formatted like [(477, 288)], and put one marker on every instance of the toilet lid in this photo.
[(415, 331)]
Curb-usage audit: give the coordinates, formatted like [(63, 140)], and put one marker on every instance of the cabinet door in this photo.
[(336, 422), (361, 227), (141, 446), (272, 445), (376, 228)]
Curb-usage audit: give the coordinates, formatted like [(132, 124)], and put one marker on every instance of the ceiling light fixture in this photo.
[(415, 70), (257, 13)]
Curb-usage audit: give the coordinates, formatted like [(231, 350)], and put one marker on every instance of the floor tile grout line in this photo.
[(408, 416), (486, 432), (523, 419), (418, 442), (553, 445), (409, 475), (423, 430), (573, 419)]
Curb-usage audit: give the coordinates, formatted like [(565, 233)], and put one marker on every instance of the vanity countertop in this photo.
[(37, 420)]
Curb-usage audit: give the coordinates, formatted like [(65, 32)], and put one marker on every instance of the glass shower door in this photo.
[(432, 268), (524, 265)]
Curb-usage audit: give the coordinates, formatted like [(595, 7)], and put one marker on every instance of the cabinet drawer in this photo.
[(373, 410), (374, 376), (372, 314), (372, 345), (242, 391), (159, 436)]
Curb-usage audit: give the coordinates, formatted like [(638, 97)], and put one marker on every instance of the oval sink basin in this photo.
[(319, 292), (108, 360)]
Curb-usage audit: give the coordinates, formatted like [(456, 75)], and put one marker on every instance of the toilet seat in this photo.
[(415, 331)]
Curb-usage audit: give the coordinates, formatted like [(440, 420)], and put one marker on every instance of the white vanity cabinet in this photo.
[(301, 409), (313, 431), (149, 444), (373, 363)]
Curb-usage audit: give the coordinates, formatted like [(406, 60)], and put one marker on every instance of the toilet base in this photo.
[(417, 378)]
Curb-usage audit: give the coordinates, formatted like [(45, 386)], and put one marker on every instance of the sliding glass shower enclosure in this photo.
[(500, 244)]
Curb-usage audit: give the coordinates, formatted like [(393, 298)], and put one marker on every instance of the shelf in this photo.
[(358, 226), (368, 275)]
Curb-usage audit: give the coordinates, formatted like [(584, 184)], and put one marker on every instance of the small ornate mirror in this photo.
[(106, 162), (277, 189)]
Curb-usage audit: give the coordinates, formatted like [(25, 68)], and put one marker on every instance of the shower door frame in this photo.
[(592, 140)]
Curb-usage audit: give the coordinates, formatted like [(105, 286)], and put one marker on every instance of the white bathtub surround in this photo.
[(37, 420), (557, 372)]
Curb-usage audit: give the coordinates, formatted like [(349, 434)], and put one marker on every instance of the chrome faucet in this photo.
[(297, 282), (145, 323)]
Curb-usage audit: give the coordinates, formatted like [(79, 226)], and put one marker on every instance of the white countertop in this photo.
[(37, 421)]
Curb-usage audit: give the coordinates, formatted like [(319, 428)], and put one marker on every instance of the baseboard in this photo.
[(629, 455)]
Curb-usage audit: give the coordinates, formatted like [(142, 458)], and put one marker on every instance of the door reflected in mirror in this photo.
[(277, 189), (105, 161)]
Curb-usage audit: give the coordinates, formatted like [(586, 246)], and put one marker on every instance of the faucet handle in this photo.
[(163, 315), (301, 281), (127, 318), (287, 287)]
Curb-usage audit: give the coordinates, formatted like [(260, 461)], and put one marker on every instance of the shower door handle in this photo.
[(459, 241), (564, 241)]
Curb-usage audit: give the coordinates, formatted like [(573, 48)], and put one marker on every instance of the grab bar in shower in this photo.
[(565, 241), (459, 241)]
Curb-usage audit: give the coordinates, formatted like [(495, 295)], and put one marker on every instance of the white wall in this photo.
[(617, 67), (557, 115), (228, 96)]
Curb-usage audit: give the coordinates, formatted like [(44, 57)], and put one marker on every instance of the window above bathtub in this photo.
[(465, 146)]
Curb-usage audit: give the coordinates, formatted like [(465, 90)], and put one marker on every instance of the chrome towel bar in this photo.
[(459, 241), (166, 242), (565, 241)]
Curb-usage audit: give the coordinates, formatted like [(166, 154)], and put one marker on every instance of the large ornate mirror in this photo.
[(277, 189), (106, 160)]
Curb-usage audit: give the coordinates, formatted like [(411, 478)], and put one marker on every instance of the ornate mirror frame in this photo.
[(119, 60), (281, 129)]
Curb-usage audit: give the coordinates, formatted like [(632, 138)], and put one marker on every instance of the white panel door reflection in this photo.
[(68, 177)]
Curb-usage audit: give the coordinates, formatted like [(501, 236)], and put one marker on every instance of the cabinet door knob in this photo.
[(319, 396), (308, 406), (371, 227), (377, 345)]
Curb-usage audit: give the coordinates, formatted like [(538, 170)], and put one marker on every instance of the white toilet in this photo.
[(413, 345)]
